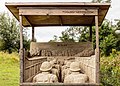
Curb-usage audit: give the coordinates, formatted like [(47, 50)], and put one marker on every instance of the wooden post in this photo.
[(90, 39), (33, 38), (21, 33), (97, 49), (21, 50)]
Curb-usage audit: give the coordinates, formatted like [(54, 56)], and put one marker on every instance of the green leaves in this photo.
[(108, 43), (110, 71), (102, 1), (9, 34)]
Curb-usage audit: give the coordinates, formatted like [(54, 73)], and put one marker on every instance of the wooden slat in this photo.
[(32, 11), (32, 65)]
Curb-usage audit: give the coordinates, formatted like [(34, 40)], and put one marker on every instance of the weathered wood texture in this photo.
[(21, 32), (21, 52), (32, 67), (97, 50), (72, 14), (58, 11)]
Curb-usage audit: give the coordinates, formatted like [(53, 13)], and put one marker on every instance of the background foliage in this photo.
[(110, 69), (9, 34)]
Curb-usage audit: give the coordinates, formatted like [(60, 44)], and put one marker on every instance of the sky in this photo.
[(44, 34)]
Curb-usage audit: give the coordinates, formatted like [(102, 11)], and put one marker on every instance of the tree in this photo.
[(107, 38), (55, 39), (102, 1), (73, 34), (117, 33), (9, 33)]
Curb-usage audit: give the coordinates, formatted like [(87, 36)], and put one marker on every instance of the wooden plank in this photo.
[(32, 11), (97, 50), (55, 4)]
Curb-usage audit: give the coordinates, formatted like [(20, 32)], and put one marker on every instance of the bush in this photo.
[(110, 70)]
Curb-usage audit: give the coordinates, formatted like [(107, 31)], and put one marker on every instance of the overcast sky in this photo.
[(46, 33)]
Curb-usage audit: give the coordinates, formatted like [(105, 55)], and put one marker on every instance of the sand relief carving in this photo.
[(55, 68), (61, 64), (53, 72), (61, 49), (45, 76), (65, 70), (67, 52), (75, 76)]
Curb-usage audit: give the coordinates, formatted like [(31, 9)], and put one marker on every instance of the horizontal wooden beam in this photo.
[(58, 84), (58, 11), (47, 25)]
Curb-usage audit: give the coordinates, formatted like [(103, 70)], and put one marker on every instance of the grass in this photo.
[(9, 69)]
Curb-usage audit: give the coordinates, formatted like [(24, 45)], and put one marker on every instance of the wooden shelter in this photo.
[(34, 14)]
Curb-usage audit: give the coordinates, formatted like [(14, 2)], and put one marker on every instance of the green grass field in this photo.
[(9, 69)]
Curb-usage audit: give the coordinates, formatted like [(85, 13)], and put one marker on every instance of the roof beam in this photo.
[(57, 11), (28, 21)]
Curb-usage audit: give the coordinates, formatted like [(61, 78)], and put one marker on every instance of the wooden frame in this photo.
[(95, 11), (57, 11)]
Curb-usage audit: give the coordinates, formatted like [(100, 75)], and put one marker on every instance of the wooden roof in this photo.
[(58, 14)]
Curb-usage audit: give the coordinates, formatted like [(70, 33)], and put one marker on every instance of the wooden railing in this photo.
[(32, 67)]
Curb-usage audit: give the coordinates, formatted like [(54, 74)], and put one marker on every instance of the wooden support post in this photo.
[(90, 39), (21, 50), (33, 38), (21, 33), (97, 49)]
